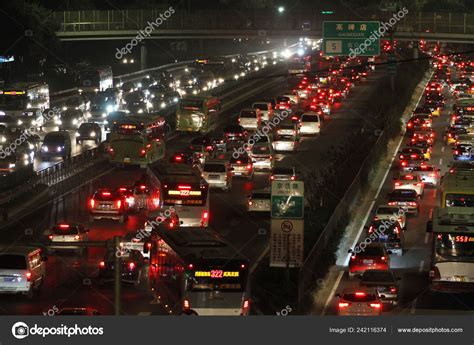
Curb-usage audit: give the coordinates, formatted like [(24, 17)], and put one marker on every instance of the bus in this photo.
[(136, 139), (95, 79), (25, 102), (181, 187), (197, 113), (457, 189), (198, 273), (452, 260)]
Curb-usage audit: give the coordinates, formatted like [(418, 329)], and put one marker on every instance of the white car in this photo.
[(390, 213), (410, 181), (429, 174), (66, 236), (294, 98), (310, 123), (250, 118), (262, 156), (283, 174), (259, 201), (283, 142), (218, 174), (265, 108)]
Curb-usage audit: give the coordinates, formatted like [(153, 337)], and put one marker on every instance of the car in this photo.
[(434, 87), (424, 147), (460, 166), (390, 234), (283, 174), (89, 131), (373, 257), (385, 284), (293, 97), (391, 213), (78, 312), (185, 156), (218, 174), (76, 102), (361, 301), (70, 119), (207, 142), (107, 204), (285, 143), (135, 196), (408, 163), (429, 174), (259, 201), (235, 134), (133, 266), (409, 181), (242, 166), (56, 144), (310, 123), (266, 110), (421, 111), (414, 153), (262, 156), (426, 135), (405, 198), (250, 119), (66, 236), (283, 103), (289, 129), (419, 121), (22, 269)]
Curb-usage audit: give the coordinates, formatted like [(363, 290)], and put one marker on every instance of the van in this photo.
[(310, 123), (250, 118), (265, 108), (22, 270), (218, 174), (56, 144)]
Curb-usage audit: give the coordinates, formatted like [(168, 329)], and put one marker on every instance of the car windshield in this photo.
[(310, 118), (54, 140), (64, 229), (260, 149), (214, 167), (359, 297), (12, 262), (406, 193), (283, 171), (239, 160), (372, 251), (261, 106), (248, 114), (260, 195)]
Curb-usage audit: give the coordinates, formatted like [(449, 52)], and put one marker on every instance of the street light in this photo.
[(281, 9)]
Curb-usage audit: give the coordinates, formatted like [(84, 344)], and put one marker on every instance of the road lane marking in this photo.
[(442, 149), (427, 238), (422, 264), (333, 291), (144, 313), (413, 306), (441, 161)]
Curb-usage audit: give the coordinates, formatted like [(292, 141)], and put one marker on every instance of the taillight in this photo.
[(249, 166), (411, 203), (393, 289), (77, 237), (272, 177), (353, 257), (131, 265), (50, 237), (142, 152), (118, 203), (92, 203), (28, 276), (375, 305), (292, 178), (397, 184), (342, 305), (102, 264), (245, 307), (383, 258)]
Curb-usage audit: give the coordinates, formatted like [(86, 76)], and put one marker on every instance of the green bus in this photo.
[(137, 139), (197, 113)]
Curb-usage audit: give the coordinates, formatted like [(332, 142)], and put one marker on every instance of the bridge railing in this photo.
[(139, 19)]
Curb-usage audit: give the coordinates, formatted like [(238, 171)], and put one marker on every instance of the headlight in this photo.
[(25, 156), (139, 85), (74, 122), (236, 76), (20, 122), (140, 111), (33, 122), (11, 165), (162, 104), (44, 148), (59, 148), (104, 115), (109, 108), (58, 122), (4, 140), (31, 146), (88, 115), (175, 99), (78, 134), (64, 108), (92, 134)]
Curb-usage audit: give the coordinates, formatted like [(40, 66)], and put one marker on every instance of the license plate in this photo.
[(466, 154), (368, 262), (213, 177), (237, 173), (402, 203), (383, 237), (105, 207), (127, 160), (8, 279)]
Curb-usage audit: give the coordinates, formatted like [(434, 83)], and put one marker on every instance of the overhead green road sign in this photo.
[(344, 37)]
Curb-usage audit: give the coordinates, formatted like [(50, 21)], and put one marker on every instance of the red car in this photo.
[(374, 256)]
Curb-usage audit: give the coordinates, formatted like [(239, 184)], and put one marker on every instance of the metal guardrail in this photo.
[(122, 20)]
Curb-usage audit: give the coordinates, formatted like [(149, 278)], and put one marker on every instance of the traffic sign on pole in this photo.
[(287, 199), (344, 37), (287, 243)]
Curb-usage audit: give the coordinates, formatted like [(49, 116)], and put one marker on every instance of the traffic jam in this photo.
[(424, 202)]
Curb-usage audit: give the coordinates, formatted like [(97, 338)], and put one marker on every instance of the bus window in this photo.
[(454, 244), (459, 200), (190, 104)]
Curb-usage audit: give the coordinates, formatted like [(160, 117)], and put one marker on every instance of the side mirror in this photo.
[(429, 226)]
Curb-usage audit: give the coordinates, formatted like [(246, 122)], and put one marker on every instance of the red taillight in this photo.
[(77, 237), (393, 289), (178, 158), (131, 265), (246, 304), (383, 258), (272, 177), (64, 226), (118, 203), (105, 193), (249, 166), (397, 184), (92, 203), (28, 276), (404, 164), (353, 257), (102, 264), (410, 124), (142, 152), (391, 203), (292, 178), (375, 305), (371, 229), (205, 216), (183, 186), (360, 294), (50, 237), (342, 305), (186, 305)]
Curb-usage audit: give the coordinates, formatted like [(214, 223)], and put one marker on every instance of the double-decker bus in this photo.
[(452, 260), (197, 113), (457, 190), (181, 187), (198, 273), (95, 79), (25, 102), (137, 139)]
